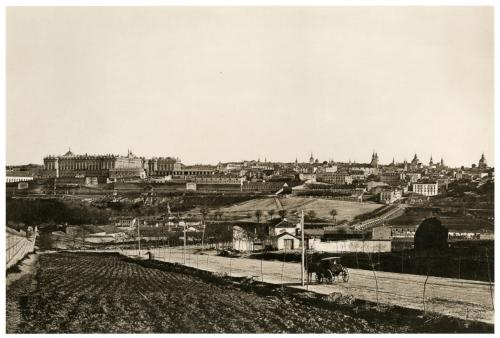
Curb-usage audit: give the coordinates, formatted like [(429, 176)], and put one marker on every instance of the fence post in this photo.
[(489, 279), (459, 263), (425, 284), (229, 266), (375, 275), (402, 260), (307, 270), (283, 266), (261, 270)]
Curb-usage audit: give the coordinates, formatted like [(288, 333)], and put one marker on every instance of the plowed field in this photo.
[(89, 293)]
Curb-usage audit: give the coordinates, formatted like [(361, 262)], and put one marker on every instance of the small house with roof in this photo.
[(284, 236)]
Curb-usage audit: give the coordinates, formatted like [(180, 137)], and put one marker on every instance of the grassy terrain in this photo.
[(346, 210), (88, 293)]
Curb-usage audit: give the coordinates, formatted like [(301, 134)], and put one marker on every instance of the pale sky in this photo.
[(227, 84)]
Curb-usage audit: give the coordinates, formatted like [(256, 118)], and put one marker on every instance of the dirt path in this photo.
[(19, 284), (458, 298)]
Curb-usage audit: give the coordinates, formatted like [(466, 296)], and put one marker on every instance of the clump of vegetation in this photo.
[(53, 211)]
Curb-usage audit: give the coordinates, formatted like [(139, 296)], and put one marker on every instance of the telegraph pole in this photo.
[(203, 234), (303, 247), (139, 235), (184, 251)]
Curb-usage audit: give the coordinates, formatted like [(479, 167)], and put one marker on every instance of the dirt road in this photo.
[(454, 297)]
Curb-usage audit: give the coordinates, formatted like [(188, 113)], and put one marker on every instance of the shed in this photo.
[(286, 241)]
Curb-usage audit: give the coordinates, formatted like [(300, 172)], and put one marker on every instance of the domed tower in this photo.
[(70, 153), (311, 159), (482, 162), (415, 161)]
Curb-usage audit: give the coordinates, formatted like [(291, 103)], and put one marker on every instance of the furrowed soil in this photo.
[(108, 293)]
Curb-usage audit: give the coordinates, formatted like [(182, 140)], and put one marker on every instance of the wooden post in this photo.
[(489, 279), (139, 236), (303, 248), (374, 275), (425, 284), (203, 234), (283, 266), (261, 270), (184, 248), (402, 260)]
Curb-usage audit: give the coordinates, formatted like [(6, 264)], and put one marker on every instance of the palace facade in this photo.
[(101, 166)]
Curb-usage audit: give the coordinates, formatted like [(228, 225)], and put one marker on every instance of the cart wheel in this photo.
[(345, 275), (330, 277)]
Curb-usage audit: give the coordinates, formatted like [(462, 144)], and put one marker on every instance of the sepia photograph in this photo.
[(249, 169)]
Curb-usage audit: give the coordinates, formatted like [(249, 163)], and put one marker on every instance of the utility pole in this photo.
[(203, 235), (184, 251), (139, 235), (303, 248)]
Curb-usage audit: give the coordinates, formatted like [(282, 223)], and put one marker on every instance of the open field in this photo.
[(346, 210), (75, 292)]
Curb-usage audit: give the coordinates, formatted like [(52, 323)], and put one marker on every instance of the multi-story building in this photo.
[(392, 178), (163, 166), (337, 178), (390, 196), (413, 177), (18, 176), (70, 165), (218, 179), (196, 170), (426, 189)]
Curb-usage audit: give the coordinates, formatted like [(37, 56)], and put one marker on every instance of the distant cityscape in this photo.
[(353, 180)]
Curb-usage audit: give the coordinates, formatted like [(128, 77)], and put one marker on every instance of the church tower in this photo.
[(482, 162), (374, 161)]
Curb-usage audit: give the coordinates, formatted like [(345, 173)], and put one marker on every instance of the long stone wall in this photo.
[(351, 246), (18, 245)]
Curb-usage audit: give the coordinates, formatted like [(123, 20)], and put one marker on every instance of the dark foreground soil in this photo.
[(108, 293)]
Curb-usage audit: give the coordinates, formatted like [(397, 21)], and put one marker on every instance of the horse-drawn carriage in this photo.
[(327, 270)]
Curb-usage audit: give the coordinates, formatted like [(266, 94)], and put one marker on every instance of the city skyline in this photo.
[(227, 84), (265, 159)]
